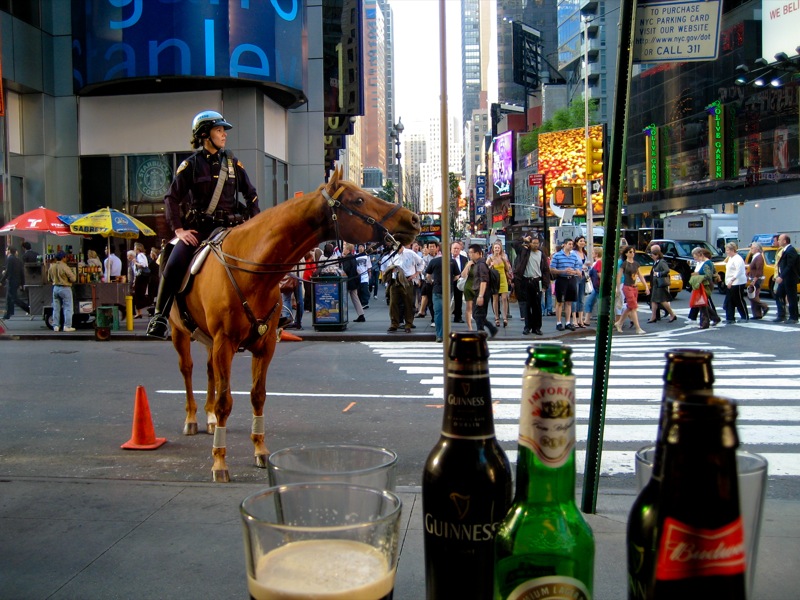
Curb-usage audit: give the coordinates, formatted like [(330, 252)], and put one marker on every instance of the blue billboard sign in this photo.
[(118, 40)]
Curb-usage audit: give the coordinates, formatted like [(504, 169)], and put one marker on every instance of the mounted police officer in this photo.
[(202, 197)]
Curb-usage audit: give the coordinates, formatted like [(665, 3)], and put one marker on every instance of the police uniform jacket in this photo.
[(194, 185)]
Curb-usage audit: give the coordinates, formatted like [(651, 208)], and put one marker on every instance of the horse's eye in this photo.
[(358, 200)]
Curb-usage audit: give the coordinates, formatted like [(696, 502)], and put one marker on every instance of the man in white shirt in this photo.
[(363, 265), (112, 267), (404, 276), (461, 259)]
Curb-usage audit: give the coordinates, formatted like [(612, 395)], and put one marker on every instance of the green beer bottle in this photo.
[(544, 548)]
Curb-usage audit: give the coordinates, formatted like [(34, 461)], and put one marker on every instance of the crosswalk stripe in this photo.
[(767, 391), (622, 462)]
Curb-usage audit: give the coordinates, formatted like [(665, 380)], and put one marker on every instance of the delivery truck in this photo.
[(703, 225)]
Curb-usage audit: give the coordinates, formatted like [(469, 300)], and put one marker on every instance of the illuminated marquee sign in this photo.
[(258, 40), (652, 153), (716, 140)]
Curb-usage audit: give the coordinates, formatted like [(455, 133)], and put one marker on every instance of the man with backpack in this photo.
[(480, 286)]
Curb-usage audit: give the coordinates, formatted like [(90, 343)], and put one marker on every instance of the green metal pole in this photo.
[(615, 187)]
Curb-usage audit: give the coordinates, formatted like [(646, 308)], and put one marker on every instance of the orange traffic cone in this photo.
[(143, 436), (290, 337)]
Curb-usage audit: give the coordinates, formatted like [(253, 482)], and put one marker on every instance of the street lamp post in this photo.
[(397, 129)]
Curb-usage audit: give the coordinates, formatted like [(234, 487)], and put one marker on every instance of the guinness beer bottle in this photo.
[(544, 548), (701, 552), (686, 371), (466, 485)]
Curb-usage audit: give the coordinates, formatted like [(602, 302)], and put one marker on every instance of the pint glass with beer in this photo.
[(331, 541)]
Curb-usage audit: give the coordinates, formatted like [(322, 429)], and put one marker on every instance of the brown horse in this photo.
[(235, 301)]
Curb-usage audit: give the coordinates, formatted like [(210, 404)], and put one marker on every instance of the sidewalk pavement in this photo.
[(92, 538), (102, 539), (374, 329)]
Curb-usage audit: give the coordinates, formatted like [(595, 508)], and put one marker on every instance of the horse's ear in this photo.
[(335, 177)]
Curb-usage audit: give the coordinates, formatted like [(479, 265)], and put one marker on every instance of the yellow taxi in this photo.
[(646, 266)]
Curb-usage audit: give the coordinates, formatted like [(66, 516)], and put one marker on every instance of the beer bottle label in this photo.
[(554, 587), (468, 407), (547, 416), (687, 552)]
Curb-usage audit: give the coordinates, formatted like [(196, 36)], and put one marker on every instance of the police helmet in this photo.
[(205, 121)]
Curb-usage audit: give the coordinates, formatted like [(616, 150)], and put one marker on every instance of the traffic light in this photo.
[(569, 196), (594, 157)]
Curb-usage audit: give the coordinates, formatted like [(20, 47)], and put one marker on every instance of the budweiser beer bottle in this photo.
[(544, 549), (685, 371), (466, 485), (700, 546)]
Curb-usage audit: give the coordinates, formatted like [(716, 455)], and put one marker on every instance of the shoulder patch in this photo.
[(239, 164), (182, 166)]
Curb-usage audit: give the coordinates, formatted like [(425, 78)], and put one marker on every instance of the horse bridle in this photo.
[(259, 327), (334, 203)]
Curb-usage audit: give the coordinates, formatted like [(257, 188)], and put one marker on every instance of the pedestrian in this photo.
[(788, 273), (62, 278), (434, 274), (755, 278), (735, 283), (294, 295), (207, 184), (579, 246), (403, 279), (480, 287), (531, 276), (363, 266), (467, 274), (704, 274), (141, 280), (92, 259), (457, 254), (28, 254), (627, 276), (659, 277), (112, 267), (594, 277), (152, 286), (350, 268), (565, 267), (500, 263), (14, 278), (374, 273)]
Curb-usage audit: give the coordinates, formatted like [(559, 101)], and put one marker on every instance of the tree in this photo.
[(388, 192), (453, 206), (564, 118)]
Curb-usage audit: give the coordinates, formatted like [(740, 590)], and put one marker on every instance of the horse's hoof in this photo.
[(210, 428), (190, 429), (221, 476), (261, 461)]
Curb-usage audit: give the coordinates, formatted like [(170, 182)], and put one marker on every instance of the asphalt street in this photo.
[(67, 403)]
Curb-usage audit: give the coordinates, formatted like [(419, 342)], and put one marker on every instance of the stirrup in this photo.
[(158, 327)]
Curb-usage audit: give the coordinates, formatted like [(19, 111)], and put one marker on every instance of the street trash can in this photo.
[(329, 307)]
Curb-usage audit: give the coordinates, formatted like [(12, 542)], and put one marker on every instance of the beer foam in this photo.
[(322, 570)]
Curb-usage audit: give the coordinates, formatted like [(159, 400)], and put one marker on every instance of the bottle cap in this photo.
[(689, 368), (468, 346)]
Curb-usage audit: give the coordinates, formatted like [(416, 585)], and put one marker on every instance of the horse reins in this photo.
[(259, 327)]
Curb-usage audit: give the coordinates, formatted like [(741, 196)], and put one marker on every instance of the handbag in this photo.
[(588, 287), (698, 299), (461, 283), (288, 284), (751, 291)]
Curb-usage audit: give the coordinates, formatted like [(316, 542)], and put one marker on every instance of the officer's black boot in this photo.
[(159, 323)]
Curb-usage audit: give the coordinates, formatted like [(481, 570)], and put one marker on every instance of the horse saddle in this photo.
[(200, 256)]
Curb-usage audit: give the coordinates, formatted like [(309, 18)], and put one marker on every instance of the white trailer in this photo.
[(703, 225), (769, 217)]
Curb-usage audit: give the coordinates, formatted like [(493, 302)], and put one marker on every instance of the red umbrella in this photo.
[(40, 220)]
